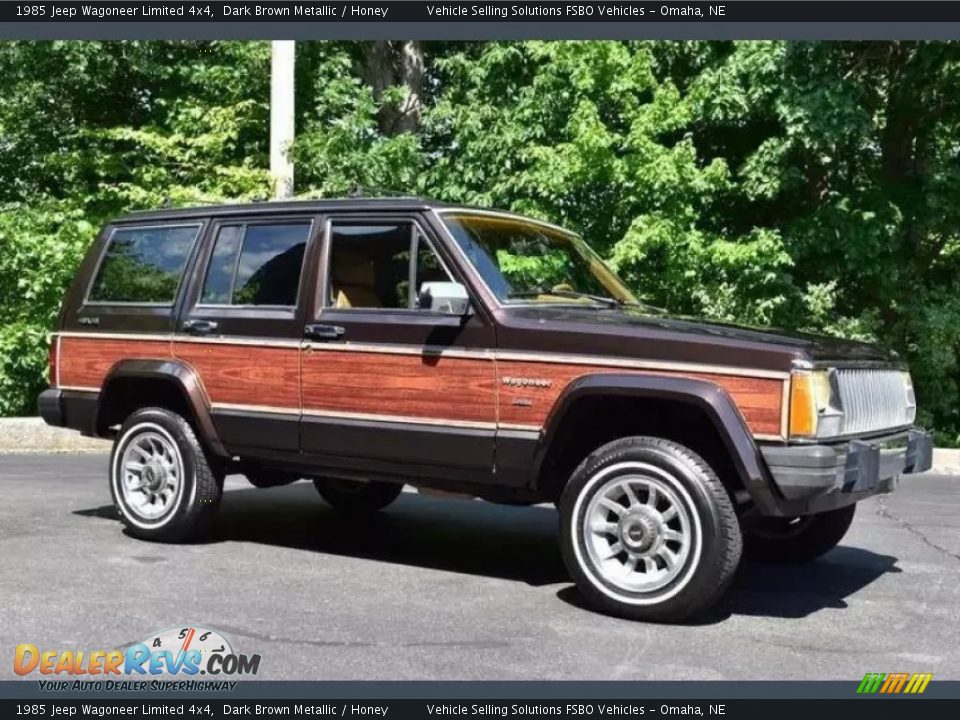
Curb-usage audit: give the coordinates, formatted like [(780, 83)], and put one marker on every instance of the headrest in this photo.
[(352, 269)]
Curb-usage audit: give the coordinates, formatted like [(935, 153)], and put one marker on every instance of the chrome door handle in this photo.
[(323, 332), (199, 327)]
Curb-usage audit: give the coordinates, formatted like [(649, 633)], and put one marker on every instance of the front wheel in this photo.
[(800, 539), (648, 531), (163, 485), (356, 496)]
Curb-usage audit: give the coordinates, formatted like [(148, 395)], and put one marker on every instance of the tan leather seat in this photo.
[(353, 281)]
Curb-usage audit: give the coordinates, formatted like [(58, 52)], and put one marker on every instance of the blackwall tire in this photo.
[(264, 477), (648, 531), (798, 540), (355, 496), (163, 485)]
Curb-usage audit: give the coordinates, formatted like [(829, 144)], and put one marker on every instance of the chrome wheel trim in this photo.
[(637, 573), (148, 474)]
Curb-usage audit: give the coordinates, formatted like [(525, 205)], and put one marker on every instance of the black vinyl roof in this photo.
[(285, 206)]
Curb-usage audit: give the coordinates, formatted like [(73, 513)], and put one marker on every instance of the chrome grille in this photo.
[(872, 400)]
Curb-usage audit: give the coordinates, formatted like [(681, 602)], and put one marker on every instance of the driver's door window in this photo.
[(380, 267)]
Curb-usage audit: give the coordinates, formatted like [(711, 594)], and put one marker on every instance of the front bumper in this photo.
[(816, 478)]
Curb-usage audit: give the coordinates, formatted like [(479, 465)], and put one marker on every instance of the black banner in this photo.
[(336, 11), (199, 707)]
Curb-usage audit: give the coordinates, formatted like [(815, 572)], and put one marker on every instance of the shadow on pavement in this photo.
[(789, 591), (108, 512), (795, 591), (464, 536), (472, 537), (513, 543)]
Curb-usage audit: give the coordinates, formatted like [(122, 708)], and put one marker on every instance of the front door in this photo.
[(242, 326), (388, 384)]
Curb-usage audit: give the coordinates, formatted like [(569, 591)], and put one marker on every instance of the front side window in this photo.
[(256, 265), (143, 265), (523, 261), (380, 266)]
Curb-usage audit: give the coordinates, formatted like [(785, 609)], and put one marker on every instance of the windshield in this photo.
[(523, 261)]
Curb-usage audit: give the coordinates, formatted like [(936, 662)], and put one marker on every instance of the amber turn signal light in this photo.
[(810, 404), (803, 407)]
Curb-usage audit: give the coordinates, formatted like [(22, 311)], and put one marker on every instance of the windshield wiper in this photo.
[(608, 301)]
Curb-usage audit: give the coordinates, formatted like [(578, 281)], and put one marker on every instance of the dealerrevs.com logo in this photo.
[(186, 651)]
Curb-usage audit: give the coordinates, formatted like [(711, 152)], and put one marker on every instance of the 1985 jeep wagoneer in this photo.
[(369, 343)]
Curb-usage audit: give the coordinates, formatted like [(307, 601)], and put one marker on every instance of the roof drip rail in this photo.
[(169, 204), (371, 191)]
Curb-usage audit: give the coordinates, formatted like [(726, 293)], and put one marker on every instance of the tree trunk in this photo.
[(902, 174), (898, 132), (387, 64)]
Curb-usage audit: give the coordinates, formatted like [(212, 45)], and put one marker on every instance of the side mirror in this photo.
[(444, 297)]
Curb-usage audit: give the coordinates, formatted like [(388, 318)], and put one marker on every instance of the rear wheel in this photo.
[(163, 485), (648, 531), (357, 496), (264, 477), (799, 539)]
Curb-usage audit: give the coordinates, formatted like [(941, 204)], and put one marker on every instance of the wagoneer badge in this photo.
[(527, 382)]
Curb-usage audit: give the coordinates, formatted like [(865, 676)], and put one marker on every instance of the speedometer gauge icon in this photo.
[(181, 640)]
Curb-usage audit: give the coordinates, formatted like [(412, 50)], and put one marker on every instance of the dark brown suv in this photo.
[(371, 343)]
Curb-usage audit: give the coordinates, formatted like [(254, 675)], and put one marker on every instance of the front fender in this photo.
[(186, 379), (707, 397)]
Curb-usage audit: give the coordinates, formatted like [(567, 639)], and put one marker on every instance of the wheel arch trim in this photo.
[(707, 397), (183, 376)]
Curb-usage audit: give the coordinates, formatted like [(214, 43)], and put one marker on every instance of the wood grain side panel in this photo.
[(245, 374), (85, 361), (758, 399), (421, 386)]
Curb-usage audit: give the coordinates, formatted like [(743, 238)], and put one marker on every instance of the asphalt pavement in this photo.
[(454, 589)]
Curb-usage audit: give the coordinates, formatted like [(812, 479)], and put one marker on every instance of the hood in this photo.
[(643, 333)]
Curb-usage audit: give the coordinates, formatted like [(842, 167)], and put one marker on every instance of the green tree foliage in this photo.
[(89, 130), (40, 246), (847, 151), (804, 185)]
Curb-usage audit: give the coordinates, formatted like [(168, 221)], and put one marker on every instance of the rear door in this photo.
[(242, 325), (387, 385)]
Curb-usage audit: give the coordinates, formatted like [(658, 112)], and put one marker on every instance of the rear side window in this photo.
[(256, 265), (143, 265)]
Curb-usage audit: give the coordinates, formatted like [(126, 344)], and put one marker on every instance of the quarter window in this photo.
[(143, 265), (256, 265), (218, 287)]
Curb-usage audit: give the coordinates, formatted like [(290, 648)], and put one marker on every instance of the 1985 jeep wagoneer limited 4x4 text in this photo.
[(369, 343)]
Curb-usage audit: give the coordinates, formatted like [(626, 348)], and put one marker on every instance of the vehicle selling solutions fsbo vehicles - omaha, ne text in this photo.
[(368, 343)]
